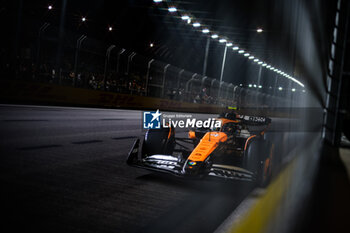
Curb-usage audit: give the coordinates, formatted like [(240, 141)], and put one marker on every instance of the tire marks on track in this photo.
[(39, 147), (87, 142)]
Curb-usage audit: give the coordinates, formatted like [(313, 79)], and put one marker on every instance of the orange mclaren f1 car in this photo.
[(236, 150)]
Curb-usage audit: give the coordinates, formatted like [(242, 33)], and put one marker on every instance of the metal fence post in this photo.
[(129, 59), (79, 42), (164, 77), (108, 53), (178, 78), (203, 80), (148, 75), (118, 58), (189, 81)]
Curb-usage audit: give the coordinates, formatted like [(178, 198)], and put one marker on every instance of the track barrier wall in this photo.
[(52, 94)]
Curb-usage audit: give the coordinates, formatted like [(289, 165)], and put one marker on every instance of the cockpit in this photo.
[(232, 128)]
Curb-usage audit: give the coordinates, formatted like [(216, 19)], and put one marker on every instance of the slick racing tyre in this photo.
[(159, 141), (258, 159)]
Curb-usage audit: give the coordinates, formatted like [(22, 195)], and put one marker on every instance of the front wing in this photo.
[(175, 165)]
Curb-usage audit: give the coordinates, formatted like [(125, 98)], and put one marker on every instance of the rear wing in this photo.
[(254, 120)]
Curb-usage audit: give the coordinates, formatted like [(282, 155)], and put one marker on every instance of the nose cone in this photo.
[(207, 145), (193, 168)]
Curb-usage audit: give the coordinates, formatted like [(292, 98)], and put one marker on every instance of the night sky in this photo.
[(137, 23)]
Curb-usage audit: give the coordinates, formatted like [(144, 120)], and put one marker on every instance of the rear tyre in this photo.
[(258, 159)]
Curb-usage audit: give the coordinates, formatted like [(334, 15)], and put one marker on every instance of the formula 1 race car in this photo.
[(236, 150)]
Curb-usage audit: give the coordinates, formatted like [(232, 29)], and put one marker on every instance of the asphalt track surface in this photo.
[(63, 170)]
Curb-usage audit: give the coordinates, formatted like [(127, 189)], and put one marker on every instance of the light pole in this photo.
[(206, 56), (275, 87), (223, 64), (259, 76), (108, 53), (222, 69), (61, 35), (79, 41), (18, 29), (41, 30)]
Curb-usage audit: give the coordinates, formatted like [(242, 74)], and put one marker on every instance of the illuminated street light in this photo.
[(185, 17), (222, 40), (49, 7), (254, 85), (250, 85), (151, 45), (110, 29), (293, 89), (172, 9), (196, 24), (298, 82), (260, 86), (83, 19), (280, 88)]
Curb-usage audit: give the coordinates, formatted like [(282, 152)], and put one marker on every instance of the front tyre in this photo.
[(159, 141)]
